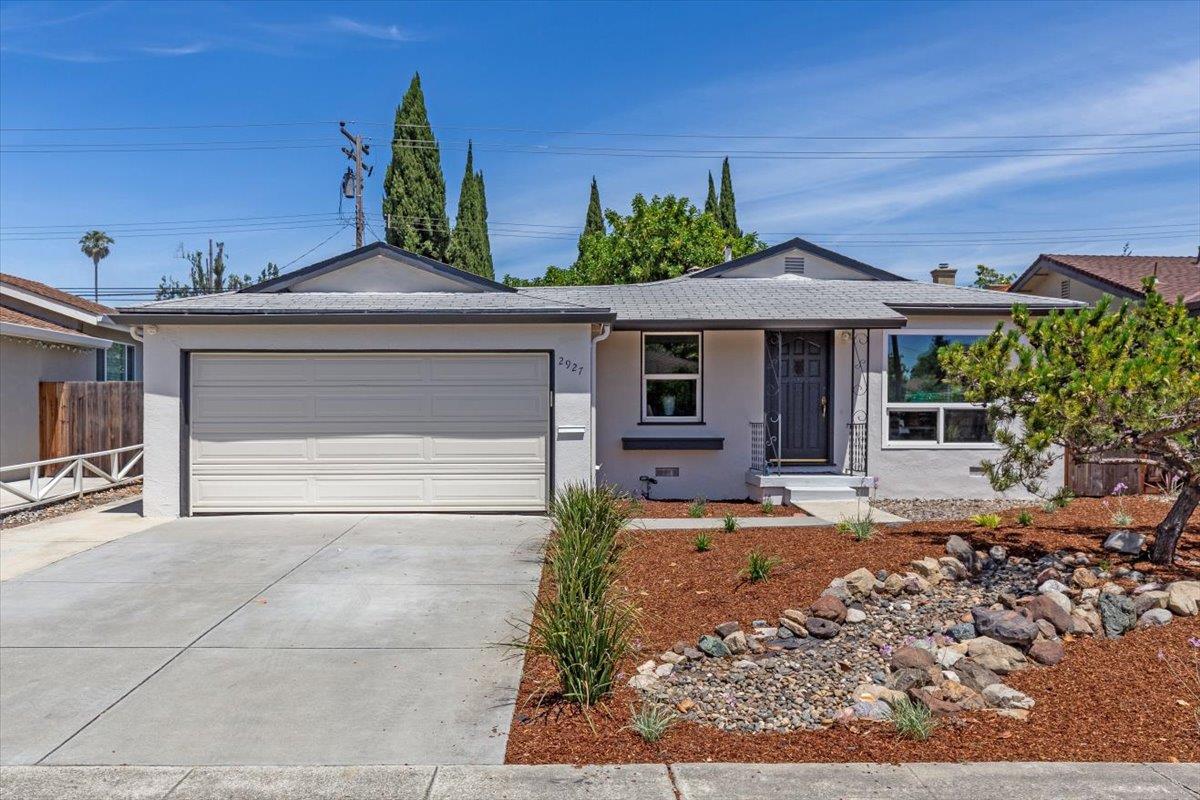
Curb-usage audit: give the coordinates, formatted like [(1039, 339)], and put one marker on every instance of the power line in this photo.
[(643, 134), (314, 247)]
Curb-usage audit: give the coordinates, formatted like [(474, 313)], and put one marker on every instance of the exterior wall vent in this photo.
[(666, 472), (793, 265)]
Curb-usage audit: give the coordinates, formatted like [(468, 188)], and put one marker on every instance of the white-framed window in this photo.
[(671, 377), (921, 408)]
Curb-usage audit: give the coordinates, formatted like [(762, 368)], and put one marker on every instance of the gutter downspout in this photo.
[(605, 330)]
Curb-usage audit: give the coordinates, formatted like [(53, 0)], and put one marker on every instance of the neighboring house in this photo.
[(50, 335), (380, 380), (1088, 278)]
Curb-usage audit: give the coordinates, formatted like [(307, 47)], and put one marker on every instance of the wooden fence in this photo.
[(88, 416), (1097, 480)]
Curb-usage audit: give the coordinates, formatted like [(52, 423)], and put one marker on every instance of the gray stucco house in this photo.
[(381, 380), (50, 335)]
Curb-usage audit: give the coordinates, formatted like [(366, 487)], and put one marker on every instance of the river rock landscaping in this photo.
[(944, 633), (1028, 641)]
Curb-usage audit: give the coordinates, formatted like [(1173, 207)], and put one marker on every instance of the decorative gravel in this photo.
[(920, 510), (805, 688), (16, 519)]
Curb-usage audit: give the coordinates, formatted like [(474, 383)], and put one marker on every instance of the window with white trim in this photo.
[(922, 408), (671, 367)]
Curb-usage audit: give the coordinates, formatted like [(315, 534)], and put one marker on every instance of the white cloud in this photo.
[(388, 33)]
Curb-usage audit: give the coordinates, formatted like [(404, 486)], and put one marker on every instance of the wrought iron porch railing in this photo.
[(857, 461)]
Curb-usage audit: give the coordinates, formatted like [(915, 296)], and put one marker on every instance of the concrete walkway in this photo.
[(986, 781), (38, 544)]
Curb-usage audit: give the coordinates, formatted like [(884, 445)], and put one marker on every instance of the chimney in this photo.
[(943, 274), (729, 252)]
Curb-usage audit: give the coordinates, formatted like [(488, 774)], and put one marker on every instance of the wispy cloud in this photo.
[(176, 51), (387, 33)]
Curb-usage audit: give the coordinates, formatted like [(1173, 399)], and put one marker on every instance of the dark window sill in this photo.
[(672, 443)]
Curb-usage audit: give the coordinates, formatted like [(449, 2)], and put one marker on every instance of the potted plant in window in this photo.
[(668, 405)]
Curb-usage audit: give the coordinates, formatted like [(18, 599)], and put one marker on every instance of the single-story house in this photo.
[(47, 334), (1088, 278), (380, 380)]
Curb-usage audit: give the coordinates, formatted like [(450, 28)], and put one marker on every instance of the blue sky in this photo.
[(705, 72)]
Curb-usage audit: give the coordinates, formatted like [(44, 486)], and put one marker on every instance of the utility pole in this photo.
[(355, 179)]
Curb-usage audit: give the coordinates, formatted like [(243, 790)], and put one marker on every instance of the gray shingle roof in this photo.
[(331, 306), (786, 300), (741, 302)]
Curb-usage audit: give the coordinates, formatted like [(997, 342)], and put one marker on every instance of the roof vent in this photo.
[(943, 274), (793, 265)]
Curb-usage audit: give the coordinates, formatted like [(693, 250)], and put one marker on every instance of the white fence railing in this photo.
[(48, 484)]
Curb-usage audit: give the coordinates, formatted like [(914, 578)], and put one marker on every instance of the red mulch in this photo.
[(716, 509), (1109, 700)]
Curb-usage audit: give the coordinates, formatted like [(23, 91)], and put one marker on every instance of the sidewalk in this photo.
[(32, 546), (1002, 781)]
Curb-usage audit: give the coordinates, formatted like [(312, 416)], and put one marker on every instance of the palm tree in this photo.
[(95, 245)]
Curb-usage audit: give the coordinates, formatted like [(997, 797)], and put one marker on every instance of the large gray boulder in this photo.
[(1125, 542), (996, 656), (960, 549), (1117, 614), (1006, 627)]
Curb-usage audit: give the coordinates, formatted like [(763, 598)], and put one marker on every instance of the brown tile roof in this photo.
[(1177, 275), (17, 318), (57, 295)]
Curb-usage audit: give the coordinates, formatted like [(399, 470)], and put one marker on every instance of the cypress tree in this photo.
[(594, 222), (414, 189), (711, 205), (469, 247), (726, 206)]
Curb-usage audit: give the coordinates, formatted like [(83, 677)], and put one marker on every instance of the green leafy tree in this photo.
[(594, 222), (96, 245), (414, 189), (1099, 384), (726, 204), (470, 248), (206, 274), (661, 238), (711, 204), (985, 276)]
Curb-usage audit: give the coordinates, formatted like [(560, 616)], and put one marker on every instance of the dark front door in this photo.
[(798, 401)]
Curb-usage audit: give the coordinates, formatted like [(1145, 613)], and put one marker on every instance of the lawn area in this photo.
[(1108, 700)]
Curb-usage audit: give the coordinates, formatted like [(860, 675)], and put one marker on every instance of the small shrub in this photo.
[(767, 507), (759, 566), (651, 721), (730, 523), (1025, 518), (989, 521), (1062, 498), (1122, 519), (1049, 507), (912, 720), (1105, 565), (698, 507), (861, 527), (702, 542)]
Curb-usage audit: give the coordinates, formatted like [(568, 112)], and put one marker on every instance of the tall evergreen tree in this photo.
[(594, 221), (711, 204), (726, 206), (414, 189), (469, 247)]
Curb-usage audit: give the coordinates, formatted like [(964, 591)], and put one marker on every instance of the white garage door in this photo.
[(369, 431)]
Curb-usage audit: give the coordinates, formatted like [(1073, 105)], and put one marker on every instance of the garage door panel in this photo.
[(238, 370), (517, 491), (489, 370), (403, 431), (231, 405), (492, 403), (373, 404)]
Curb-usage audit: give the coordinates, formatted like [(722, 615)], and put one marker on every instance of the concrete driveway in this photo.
[(284, 639)]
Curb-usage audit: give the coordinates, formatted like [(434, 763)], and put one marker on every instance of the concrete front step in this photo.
[(798, 487)]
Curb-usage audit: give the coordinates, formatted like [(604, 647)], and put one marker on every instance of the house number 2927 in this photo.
[(570, 366)]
